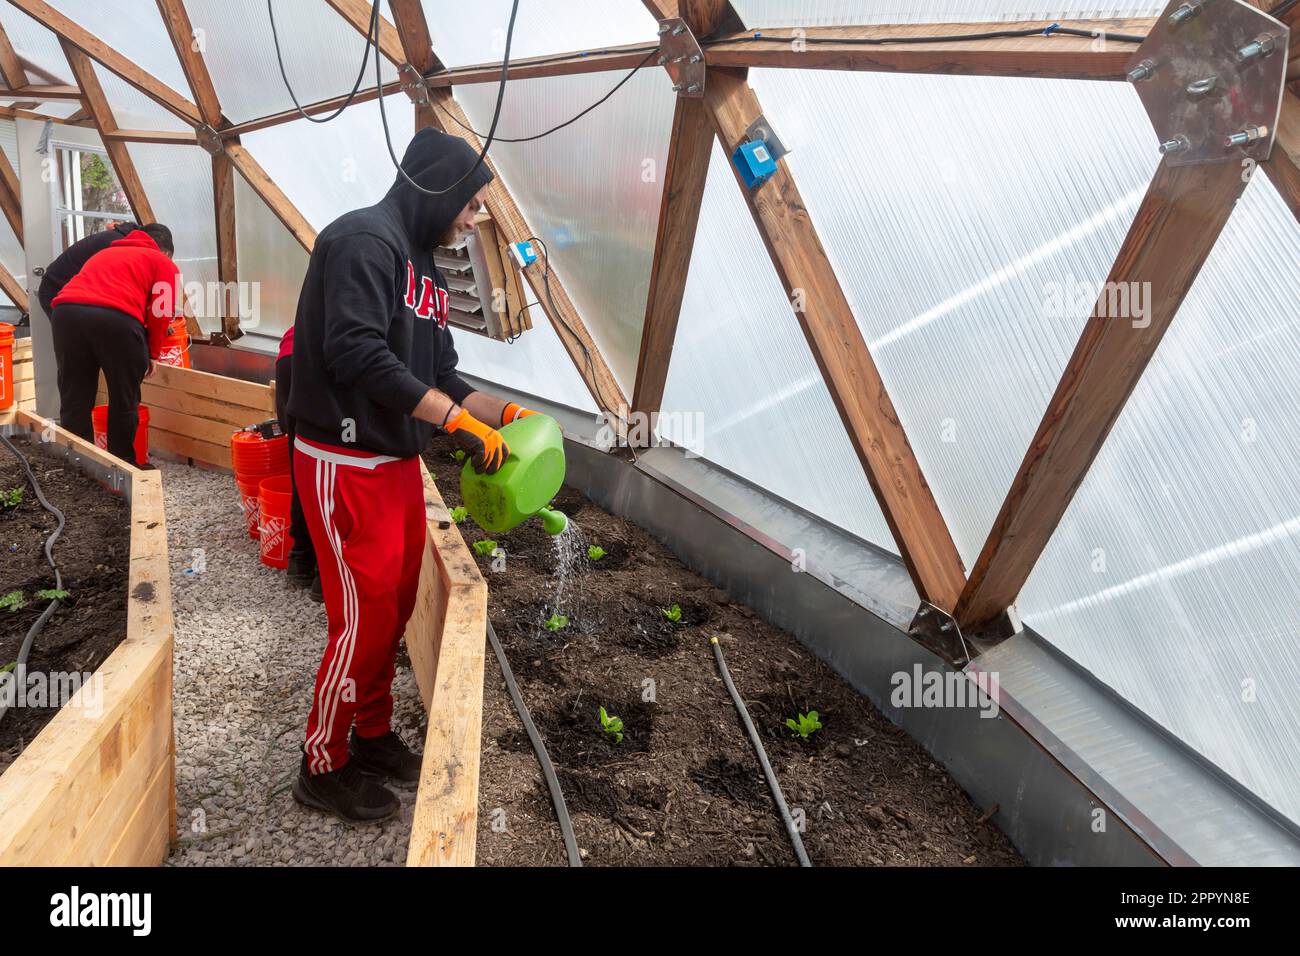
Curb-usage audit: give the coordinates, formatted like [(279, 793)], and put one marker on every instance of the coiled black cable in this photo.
[(25, 649)]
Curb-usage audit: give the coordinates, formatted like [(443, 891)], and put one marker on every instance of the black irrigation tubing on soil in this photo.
[(548, 769), (36, 627), (768, 772)]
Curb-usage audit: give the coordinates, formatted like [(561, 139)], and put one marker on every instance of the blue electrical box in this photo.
[(755, 163)]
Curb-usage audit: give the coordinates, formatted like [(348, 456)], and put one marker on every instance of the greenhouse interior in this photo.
[(859, 447)]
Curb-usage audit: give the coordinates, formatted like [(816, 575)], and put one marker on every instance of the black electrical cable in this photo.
[(25, 649), (365, 58), (548, 769), (760, 37), (586, 352), (496, 115), (772, 783), (568, 122)]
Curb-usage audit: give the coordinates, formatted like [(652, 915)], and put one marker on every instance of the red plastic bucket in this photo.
[(249, 504), (176, 346), (99, 421), (6, 365), (253, 456), (274, 499)]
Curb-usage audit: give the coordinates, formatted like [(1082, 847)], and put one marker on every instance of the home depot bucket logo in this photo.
[(274, 540)]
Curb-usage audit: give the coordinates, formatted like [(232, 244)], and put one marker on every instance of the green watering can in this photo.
[(525, 484)]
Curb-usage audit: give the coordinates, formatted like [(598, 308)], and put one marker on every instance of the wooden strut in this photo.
[(841, 353), (1173, 233)]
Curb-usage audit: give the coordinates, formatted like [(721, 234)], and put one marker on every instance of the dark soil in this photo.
[(93, 554), (685, 787)]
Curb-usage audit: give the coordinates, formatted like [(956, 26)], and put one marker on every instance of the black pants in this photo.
[(88, 339), (297, 523)]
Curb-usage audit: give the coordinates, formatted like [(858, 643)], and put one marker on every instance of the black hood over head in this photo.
[(435, 160)]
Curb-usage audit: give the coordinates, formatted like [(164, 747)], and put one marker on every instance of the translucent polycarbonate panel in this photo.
[(327, 169), (536, 362), (35, 43), (178, 182), (133, 28), (272, 264), (476, 33), (591, 190), (321, 51), (9, 143), (743, 390), (133, 109), (57, 109), (1173, 574), (969, 242), (12, 257), (779, 13)]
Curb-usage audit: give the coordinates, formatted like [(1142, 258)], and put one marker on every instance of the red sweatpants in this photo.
[(365, 514)]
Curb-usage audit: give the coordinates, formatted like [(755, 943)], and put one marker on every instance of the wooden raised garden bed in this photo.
[(97, 784)]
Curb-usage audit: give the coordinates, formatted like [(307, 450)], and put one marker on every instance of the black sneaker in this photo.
[(386, 756), (301, 569), (348, 794), (316, 594)]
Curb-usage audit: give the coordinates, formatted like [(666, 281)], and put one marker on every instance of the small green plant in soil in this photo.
[(806, 726), (12, 601), (459, 515), (557, 622), (8, 668), (595, 552), (613, 726), (673, 615), (485, 548), (458, 455), (11, 499), (51, 594)]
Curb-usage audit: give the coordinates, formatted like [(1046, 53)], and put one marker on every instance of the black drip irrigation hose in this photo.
[(548, 769), (50, 608), (768, 772)]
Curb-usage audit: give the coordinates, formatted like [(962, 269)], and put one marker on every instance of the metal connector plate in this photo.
[(1198, 89), (681, 56)]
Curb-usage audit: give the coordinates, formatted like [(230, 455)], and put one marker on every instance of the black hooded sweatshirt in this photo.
[(370, 335)]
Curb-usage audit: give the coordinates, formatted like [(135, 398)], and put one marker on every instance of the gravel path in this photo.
[(247, 649)]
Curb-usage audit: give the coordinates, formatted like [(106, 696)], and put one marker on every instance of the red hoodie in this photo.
[(133, 276)]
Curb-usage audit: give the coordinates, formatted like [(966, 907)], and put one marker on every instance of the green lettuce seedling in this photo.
[(595, 552), (458, 455), (459, 515), (12, 601), (807, 725), (672, 614), (557, 622), (11, 499), (8, 667), (485, 548), (52, 594), (612, 726)]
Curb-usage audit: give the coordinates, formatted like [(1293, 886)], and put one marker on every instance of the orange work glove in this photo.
[(513, 412), (486, 449)]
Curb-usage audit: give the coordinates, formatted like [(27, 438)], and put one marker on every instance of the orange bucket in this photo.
[(176, 346), (249, 504), (252, 456), (99, 421), (6, 365), (275, 496)]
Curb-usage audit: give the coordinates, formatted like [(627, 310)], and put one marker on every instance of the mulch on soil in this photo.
[(93, 554), (685, 787)]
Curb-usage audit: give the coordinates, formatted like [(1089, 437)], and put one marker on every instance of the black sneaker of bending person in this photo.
[(316, 594), (386, 756), (348, 794), (301, 568)]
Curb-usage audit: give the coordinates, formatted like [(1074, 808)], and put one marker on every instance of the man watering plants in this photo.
[(374, 374)]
